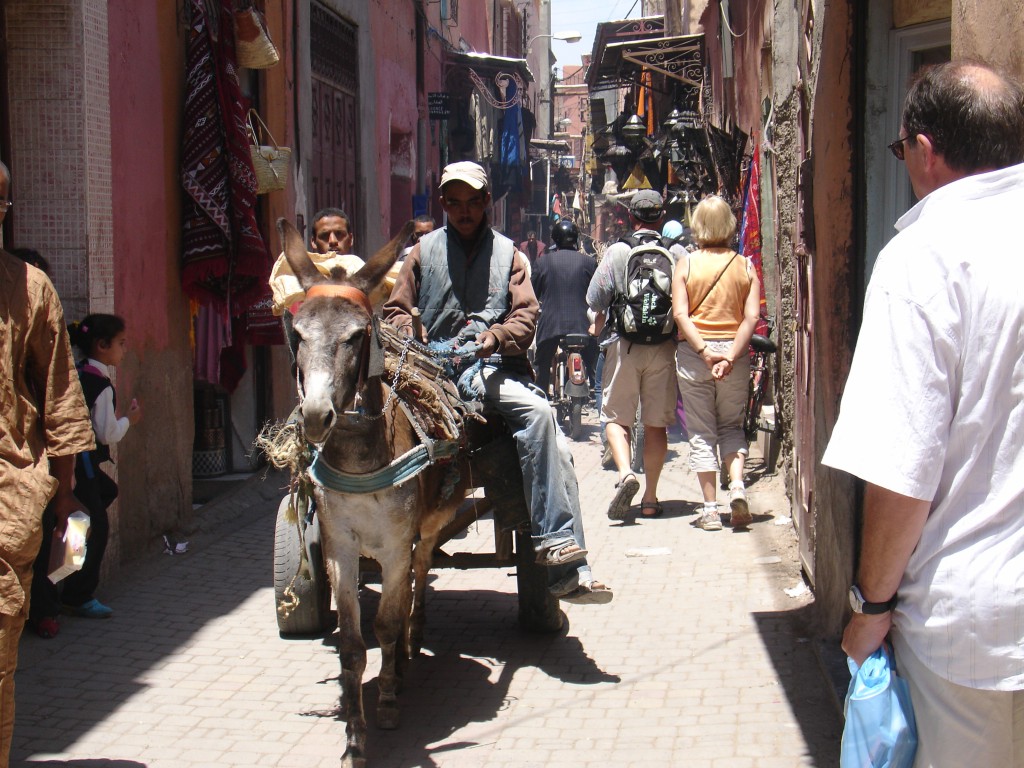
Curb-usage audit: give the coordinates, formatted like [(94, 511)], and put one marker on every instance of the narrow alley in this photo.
[(701, 660)]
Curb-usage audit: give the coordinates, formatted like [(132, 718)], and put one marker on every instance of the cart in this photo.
[(495, 469)]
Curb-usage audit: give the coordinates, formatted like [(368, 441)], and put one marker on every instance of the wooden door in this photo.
[(334, 57)]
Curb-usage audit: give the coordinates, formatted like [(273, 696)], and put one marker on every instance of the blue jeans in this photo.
[(549, 479)]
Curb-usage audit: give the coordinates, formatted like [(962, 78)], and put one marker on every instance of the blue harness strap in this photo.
[(405, 467)]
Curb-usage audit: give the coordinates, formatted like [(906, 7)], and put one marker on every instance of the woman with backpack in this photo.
[(716, 301)]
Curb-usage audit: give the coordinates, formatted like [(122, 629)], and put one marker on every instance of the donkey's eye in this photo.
[(356, 338)]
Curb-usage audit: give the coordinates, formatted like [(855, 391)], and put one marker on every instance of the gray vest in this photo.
[(460, 299)]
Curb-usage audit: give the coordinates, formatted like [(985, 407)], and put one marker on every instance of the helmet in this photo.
[(672, 230), (565, 234)]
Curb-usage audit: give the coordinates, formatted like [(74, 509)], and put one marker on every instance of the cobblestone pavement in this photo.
[(701, 660)]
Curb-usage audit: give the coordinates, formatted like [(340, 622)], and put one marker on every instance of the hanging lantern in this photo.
[(675, 152), (672, 119), (633, 131)]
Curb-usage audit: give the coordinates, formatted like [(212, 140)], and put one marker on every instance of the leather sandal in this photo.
[(589, 593), (561, 554), (654, 506), (625, 490)]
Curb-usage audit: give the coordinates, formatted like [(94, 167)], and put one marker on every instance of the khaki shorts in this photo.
[(644, 373)]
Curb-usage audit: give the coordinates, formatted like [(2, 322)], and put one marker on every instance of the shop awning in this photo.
[(487, 66), (623, 49)]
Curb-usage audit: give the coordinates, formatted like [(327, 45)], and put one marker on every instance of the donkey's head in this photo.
[(333, 329)]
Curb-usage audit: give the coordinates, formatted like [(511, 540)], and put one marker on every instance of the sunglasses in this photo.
[(897, 148)]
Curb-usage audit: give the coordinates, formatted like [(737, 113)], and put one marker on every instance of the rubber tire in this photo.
[(576, 420), (636, 448), (313, 615)]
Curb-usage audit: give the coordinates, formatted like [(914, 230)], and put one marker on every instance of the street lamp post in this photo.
[(544, 100), (567, 37)]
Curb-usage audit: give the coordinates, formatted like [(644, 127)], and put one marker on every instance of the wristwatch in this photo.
[(860, 605)]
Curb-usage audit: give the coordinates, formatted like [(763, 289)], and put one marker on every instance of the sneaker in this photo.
[(607, 460), (740, 516), (47, 628), (93, 609), (710, 520)]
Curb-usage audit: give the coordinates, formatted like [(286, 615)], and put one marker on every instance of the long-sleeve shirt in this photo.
[(109, 428), (42, 413), (514, 333)]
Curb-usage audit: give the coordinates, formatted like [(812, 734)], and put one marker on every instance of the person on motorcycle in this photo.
[(560, 281)]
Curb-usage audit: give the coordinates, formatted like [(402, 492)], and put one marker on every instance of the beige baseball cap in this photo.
[(466, 171)]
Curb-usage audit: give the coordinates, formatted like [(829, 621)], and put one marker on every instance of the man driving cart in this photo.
[(454, 277)]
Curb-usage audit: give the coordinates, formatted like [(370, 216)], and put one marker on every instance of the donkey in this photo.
[(358, 429)]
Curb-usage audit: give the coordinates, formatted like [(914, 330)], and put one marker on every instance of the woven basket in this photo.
[(269, 161), (253, 47)]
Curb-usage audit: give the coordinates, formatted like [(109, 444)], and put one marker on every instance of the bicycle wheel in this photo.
[(755, 399)]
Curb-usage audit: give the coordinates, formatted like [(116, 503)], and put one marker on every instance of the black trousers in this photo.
[(96, 493), (45, 600)]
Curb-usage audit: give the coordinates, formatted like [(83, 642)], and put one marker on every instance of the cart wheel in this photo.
[(538, 608), (313, 614)]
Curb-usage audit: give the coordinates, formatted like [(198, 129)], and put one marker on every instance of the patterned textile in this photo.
[(512, 165), (750, 227), (225, 260)]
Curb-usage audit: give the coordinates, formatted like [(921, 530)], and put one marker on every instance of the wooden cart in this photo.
[(495, 469)]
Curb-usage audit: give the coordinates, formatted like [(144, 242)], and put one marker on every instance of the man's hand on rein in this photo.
[(488, 344)]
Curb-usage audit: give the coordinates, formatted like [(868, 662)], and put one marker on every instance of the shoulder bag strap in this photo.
[(713, 284)]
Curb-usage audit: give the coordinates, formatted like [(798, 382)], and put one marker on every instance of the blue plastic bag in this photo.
[(880, 729)]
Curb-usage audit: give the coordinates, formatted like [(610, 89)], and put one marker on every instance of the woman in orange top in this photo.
[(715, 300)]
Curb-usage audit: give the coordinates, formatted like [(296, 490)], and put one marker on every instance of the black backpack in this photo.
[(643, 314)]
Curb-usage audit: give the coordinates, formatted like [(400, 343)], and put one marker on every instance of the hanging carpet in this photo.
[(225, 261)]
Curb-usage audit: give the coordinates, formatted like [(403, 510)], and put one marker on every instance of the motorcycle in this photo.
[(569, 382)]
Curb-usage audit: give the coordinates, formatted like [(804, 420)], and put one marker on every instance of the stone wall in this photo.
[(60, 145)]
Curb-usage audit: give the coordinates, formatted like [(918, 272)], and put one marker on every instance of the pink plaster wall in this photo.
[(739, 97), (393, 31), (400, 108), (146, 73)]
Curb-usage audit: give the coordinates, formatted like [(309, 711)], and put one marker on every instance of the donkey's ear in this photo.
[(296, 256), (371, 273)]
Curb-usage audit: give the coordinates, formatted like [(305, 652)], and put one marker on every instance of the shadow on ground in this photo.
[(474, 647), (68, 685), (97, 763), (787, 637)]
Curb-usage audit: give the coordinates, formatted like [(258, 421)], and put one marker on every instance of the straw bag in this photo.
[(269, 161), (253, 46)]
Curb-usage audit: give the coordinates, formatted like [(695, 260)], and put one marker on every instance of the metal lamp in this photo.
[(633, 131)]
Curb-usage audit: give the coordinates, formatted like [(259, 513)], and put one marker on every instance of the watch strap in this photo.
[(872, 609)]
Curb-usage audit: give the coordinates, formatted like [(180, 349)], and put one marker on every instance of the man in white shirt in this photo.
[(932, 420)]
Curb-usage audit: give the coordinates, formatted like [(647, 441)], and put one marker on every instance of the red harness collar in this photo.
[(341, 291), (330, 291)]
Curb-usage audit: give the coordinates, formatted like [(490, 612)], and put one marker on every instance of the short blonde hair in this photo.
[(713, 223)]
